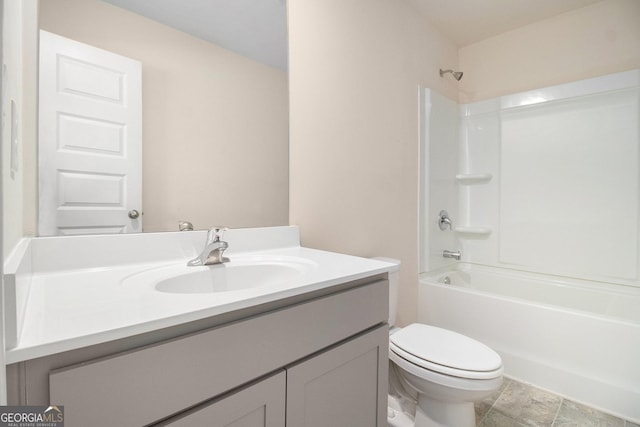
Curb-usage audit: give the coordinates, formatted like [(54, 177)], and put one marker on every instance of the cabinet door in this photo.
[(258, 405), (345, 386)]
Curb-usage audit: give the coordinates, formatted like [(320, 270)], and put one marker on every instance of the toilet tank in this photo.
[(394, 284)]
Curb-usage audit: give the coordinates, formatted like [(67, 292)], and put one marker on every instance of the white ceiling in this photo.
[(254, 28), (258, 28)]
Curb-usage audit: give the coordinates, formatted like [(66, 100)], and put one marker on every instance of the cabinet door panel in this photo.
[(258, 405), (342, 387)]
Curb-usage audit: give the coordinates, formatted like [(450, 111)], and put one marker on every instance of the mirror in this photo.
[(214, 122)]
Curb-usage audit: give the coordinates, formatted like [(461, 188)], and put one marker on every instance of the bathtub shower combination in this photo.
[(542, 190)]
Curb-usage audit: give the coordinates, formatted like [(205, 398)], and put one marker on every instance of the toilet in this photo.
[(440, 372)]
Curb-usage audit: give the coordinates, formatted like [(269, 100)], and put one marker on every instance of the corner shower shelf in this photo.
[(473, 178), (474, 231)]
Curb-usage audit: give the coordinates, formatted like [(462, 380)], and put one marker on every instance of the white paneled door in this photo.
[(90, 140)]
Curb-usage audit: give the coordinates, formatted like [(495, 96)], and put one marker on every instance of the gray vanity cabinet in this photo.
[(322, 356), (261, 404)]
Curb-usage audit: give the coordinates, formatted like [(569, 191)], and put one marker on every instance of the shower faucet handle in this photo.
[(444, 221)]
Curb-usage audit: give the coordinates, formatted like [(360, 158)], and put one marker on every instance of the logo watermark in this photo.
[(31, 416)]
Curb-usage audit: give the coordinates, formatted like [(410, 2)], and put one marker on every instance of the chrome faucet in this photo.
[(450, 254), (213, 249)]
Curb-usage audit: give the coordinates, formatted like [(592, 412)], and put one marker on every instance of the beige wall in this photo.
[(595, 40), (355, 68), (215, 124)]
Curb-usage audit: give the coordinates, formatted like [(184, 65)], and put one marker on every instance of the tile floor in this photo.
[(520, 405)]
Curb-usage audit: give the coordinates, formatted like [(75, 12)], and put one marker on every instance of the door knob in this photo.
[(134, 214)]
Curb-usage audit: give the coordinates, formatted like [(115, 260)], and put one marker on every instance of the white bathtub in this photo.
[(576, 338)]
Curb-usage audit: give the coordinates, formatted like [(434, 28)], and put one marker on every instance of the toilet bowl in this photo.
[(447, 371), (443, 371)]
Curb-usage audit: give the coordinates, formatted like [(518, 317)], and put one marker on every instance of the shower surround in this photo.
[(542, 183)]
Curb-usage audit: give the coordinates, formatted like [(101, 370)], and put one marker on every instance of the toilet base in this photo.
[(397, 414), (434, 413)]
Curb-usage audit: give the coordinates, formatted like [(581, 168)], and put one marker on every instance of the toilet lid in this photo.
[(444, 351)]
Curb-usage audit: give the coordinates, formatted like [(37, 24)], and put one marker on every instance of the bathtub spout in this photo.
[(451, 254)]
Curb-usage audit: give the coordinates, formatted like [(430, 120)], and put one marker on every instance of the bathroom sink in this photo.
[(241, 273), (226, 277)]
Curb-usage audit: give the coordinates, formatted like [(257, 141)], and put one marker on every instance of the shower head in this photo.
[(456, 74)]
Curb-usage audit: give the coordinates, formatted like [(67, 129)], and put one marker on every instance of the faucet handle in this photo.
[(185, 226), (444, 221), (215, 234)]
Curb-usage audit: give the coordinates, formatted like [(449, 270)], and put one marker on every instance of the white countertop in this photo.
[(72, 308)]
